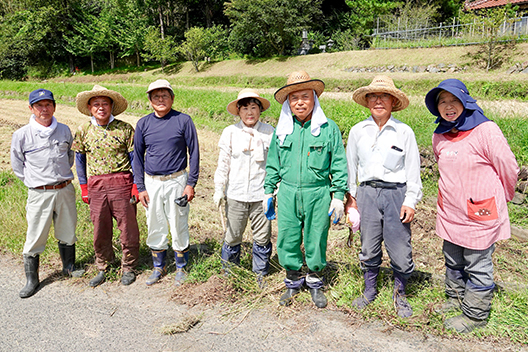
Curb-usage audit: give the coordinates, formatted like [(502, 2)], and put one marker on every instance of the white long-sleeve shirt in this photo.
[(242, 161), (40, 161), (390, 154)]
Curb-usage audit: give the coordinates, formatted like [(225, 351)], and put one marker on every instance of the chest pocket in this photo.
[(285, 151), (318, 156)]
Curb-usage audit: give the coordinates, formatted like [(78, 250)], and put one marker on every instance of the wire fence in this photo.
[(455, 33)]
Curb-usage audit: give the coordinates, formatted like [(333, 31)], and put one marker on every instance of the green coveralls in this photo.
[(310, 169)]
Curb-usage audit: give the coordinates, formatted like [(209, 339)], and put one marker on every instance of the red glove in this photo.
[(135, 194), (84, 193)]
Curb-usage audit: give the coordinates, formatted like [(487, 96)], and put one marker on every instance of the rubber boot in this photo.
[(181, 258), (476, 307), (455, 286), (403, 308), (371, 291), (31, 267), (159, 261), (230, 255), (98, 279), (315, 285), (294, 282), (261, 262), (67, 254)]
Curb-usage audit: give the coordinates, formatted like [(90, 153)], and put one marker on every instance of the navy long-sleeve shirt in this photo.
[(161, 146)]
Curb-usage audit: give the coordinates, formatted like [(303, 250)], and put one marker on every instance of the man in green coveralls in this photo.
[(307, 157)]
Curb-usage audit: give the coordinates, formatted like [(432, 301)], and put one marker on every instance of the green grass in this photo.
[(344, 278)]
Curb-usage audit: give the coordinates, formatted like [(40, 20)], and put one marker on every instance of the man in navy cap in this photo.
[(42, 158)]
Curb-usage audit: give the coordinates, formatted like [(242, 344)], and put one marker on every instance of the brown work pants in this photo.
[(109, 197)]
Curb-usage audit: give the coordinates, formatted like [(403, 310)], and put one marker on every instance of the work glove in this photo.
[(218, 198), (269, 207), (134, 198), (336, 211), (84, 193), (353, 219)]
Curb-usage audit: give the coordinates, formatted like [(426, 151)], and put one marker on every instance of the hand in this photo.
[(144, 198), (134, 198), (218, 198), (189, 191), (269, 207), (84, 193), (336, 210), (406, 214), (350, 203)]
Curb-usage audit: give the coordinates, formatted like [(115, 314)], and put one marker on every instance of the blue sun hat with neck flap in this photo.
[(471, 117)]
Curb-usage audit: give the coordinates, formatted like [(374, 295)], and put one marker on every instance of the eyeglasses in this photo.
[(374, 97), (162, 97)]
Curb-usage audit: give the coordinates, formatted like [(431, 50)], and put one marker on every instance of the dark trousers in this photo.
[(109, 197)]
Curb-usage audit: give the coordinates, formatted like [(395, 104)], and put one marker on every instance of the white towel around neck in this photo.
[(43, 131), (285, 124)]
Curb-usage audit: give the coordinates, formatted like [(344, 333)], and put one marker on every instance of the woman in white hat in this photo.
[(240, 177), (383, 158)]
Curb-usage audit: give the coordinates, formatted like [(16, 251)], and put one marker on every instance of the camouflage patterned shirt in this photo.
[(106, 147)]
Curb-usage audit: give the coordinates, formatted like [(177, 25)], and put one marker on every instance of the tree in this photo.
[(131, 33), (260, 27), (158, 48), (496, 48), (202, 42)]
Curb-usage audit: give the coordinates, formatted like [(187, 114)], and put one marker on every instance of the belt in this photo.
[(381, 184), (166, 177), (57, 186)]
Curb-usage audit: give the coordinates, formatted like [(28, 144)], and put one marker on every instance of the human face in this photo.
[(302, 104), (161, 101), (43, 111), (101, 109), (380, 106), (249, 114), (449, 107)]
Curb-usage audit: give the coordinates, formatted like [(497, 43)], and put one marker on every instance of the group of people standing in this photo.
[(299, 173), (117, 167)]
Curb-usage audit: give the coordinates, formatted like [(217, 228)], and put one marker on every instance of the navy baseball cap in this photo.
[(40, 94)]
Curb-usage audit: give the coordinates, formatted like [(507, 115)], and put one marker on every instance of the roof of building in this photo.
[(484, 4)]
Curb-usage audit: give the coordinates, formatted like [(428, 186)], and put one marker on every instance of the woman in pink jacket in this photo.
[(478, 173)]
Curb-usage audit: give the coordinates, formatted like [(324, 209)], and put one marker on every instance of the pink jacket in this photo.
[(478, 173)]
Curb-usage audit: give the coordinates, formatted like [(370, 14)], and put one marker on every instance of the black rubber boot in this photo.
[(315, 285), (67, 254), (31, 266), (294, 282)]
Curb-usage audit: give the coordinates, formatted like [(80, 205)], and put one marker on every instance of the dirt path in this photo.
[(66, 315)]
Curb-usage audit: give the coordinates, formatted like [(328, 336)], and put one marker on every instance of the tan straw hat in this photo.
[(247, 93), (299, 80), (381, 84), (82, 99)]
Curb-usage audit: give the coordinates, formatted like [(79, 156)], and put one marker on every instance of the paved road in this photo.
[(65, 315)]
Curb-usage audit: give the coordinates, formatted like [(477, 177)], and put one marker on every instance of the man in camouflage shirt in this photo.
[(104, 148)]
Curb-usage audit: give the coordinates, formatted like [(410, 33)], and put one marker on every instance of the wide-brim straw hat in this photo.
[(299, 80), (119, 102), (381, 84), (247, 93)]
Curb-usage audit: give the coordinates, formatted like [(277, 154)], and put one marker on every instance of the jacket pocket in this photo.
[(318, 157), (482, 210)]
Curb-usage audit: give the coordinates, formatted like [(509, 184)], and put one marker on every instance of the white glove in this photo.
[(218, 198), (336, 211)]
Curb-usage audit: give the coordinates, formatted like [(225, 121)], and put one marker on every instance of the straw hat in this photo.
[(381, 84), (82, 99), (299, 80), (247, 93)]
